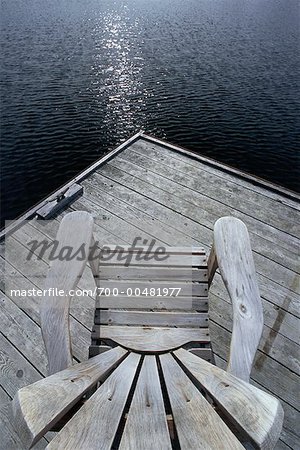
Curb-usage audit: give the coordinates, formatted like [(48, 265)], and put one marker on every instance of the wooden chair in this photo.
[(147, 387)]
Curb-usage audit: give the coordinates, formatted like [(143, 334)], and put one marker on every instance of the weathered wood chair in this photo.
[(145, 389)]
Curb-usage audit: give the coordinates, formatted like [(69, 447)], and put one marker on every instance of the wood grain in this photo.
[(171, 260), (183, 303), (95, 424), (257, 413), (75, 230), (151, 318), (152, 273), (197, 424), (129, 288), (38, 407), (235, 261), (150, 339), (146, 426)]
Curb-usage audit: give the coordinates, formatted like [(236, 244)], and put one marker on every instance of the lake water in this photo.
[(220, 77)]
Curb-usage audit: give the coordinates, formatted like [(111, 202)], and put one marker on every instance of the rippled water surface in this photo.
[(78, 77)]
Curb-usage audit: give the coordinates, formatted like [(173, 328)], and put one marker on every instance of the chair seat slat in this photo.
[(146, 426), (95, 425), (199, 426)]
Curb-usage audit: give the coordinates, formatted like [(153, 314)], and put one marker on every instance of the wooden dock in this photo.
[(151, 189)]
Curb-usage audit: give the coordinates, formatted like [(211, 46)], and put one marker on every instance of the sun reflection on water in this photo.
[(117, 71)]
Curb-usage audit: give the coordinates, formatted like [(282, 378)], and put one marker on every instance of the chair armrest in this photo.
[(233, 255), (75, 232)]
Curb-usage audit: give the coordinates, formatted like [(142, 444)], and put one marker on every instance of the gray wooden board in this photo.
[(162, 303), (31, 304), (39, 406), (161, 288), (248, 197), (152, 273), (15, 370), (76, 230), (150, 339), (280, 302), (10, 439), (143, 250), (167, 260), (4, 397), (190, 190), (23, 333), (200, 426), (255, 184), (142, 217), (36, 270), (151, 318), (146, 426), (233, 254), (123, 181), (126, 230), (95, 424), (266, 266)]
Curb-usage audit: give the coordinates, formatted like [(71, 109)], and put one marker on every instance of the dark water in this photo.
[(217, 76)]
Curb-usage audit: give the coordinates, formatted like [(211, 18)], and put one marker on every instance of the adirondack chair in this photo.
[(149, 383)]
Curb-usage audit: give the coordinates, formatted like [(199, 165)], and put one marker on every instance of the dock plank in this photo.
[(16, 372), (224, 172), (242, 196)]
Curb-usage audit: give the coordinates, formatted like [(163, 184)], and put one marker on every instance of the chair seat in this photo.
[(150, 402)]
